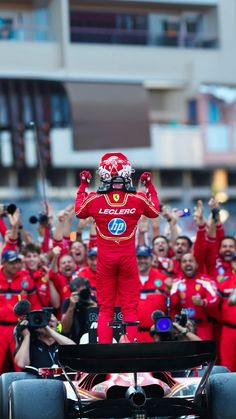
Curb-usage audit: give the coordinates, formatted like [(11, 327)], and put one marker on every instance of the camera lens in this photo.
[(163, 324), (37, 319), (84, 294), (33, 219)]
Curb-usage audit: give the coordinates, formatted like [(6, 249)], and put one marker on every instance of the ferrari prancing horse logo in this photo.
[(116, 197)]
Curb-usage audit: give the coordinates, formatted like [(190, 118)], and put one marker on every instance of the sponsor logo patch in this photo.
[(117, 226)]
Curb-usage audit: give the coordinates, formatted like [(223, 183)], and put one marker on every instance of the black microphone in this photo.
[(22, 308), (157, 314)]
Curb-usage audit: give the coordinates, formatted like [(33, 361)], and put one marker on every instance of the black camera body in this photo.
[(39, 318), (163, 325), (85, 293), (36, 319), (182, 318), (9, 209), (41, 219), (85, 296)]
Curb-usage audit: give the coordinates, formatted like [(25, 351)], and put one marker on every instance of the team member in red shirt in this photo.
[(15, 284), (90, 272), (79, 253), (154, 291), (195, 292), (116, 208), (45, 289), (227, 291), (61, 272)]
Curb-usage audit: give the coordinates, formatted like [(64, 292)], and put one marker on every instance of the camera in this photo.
[(84, 294), (185, 212), (215, 214), (41, 219), (39, 318), (9, 209), (163, 325), (182, 318), (36, 318)]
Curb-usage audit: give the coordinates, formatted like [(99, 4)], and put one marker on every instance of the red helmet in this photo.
[(114, 165)]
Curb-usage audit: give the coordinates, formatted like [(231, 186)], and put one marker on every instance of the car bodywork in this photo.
[(119, 377)]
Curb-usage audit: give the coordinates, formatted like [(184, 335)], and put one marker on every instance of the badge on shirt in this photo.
[(221, 278), (158, 282), (182, 287), (197, 287), (116, 197), (221, 270), (191, 312), (24, 284)]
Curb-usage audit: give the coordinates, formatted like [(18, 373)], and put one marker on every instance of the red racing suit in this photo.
[(116, 214), (181, 297), (21, 286)]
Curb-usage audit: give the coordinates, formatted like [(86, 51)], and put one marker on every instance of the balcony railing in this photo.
[(25, 33), (141, 37)]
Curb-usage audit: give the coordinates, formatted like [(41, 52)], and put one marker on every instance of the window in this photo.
[(108, 27), (214, 114), (171, 178), (6, 25), (201, 178), (192, 112)]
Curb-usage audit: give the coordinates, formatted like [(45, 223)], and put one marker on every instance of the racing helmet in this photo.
[(113, 165), (115, 173)]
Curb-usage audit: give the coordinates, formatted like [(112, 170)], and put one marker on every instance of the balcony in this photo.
[(141, 37)]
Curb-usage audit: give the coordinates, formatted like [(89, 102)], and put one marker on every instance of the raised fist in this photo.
[(85, 177), (146, 178)]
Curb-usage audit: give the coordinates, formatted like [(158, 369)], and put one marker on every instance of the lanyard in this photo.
[(52, 356)]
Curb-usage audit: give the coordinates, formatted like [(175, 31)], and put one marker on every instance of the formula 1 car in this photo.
[(114, 381)]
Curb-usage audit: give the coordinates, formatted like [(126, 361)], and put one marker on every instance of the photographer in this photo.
[(39, 346), (74, 309), (164, 329)]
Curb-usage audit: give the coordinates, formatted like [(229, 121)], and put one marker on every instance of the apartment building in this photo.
[(153, 79)]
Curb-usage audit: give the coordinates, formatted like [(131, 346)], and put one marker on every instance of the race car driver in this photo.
[(116, 208)]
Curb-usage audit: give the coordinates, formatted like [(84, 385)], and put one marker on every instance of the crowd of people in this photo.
[(59, 270)]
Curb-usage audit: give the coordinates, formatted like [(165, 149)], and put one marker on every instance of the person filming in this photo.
[(38, 347), (74, 309), (164, 329)]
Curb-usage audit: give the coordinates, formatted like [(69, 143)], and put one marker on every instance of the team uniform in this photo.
[(181, 297), (228, 317), (20, 287), (116, 214), (152, 297), (89, 274)]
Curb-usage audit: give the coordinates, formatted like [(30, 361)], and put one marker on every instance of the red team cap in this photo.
[(114, 165)]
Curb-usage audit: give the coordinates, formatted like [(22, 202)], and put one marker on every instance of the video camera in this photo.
[(163, 325), (41, 219), (39, 318), (36, 318), (85, 293), (9, 209)]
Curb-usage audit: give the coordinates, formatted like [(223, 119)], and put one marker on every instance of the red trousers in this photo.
[(117, 280), (7, 348), (228, 348)]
